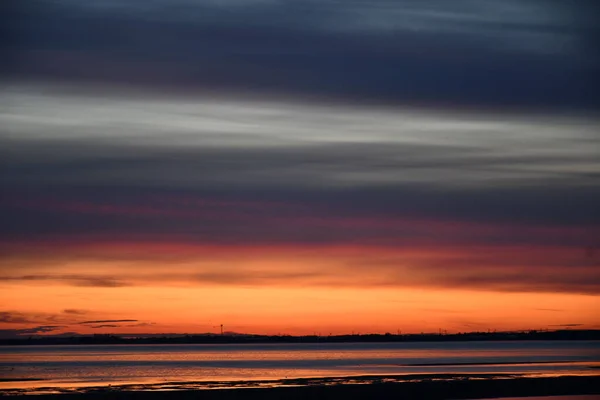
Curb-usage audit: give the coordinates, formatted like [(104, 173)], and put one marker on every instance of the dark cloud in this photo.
[(406, 213), (104, 326), (485, 268), (75, 280), (292, 194), (15, 333), (8, 317), (262, 277), (499, 269), (527, 280), (66, 317), (40, 329), (141, 324), (15, 317), (74, 311), (102, 321), (543, 53), (73, 162), (43, 323), (472, 325), (568, 325)]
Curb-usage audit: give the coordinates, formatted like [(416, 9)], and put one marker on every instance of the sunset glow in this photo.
[(406, 171)]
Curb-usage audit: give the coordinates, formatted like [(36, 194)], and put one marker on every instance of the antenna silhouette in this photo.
[(220, 326)]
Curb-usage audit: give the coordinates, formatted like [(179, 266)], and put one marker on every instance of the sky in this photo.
[(298, 166)]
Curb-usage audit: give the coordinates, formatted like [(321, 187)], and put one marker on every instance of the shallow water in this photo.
[(81, 365)]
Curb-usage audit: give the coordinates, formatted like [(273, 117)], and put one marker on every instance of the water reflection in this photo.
[(85, 366)]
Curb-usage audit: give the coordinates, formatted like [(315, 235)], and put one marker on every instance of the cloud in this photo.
[(289, 172), (238, 175), (16, 317), (141, 324), (40, 329), (74, 311), (539, 53), (525, 280), (45, 323), (65, 318), (7, 317), (364, 165), (108, 321), (105, 326), (74, 280), (16, 333), (500, 268)]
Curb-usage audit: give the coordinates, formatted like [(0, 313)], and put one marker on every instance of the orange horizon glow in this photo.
[(323, 311), (187, 289)]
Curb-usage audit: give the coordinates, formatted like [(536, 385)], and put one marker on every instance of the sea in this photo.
[(43, 368)]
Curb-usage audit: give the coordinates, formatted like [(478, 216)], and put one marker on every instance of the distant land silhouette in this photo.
[(209, 338)]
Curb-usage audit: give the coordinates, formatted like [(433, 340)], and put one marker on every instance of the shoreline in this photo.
[(440, 386), (216, 339)]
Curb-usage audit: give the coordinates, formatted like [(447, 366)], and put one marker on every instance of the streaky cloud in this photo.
[(102, 321), (541, 53), (72, 279)]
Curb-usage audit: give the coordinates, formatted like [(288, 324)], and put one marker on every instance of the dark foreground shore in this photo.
[(426, 389)]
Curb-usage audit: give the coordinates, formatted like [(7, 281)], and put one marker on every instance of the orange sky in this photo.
[(293, 290)]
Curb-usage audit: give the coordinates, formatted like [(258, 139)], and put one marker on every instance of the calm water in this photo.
[(70, 366), (576, 397)]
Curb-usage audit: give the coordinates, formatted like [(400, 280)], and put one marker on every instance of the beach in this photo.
[(439, 387)]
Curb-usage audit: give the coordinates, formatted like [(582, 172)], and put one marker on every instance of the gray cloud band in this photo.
[(537, 54)]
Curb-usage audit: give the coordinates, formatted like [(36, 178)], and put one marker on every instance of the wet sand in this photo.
[(433, 387), (568, 397)]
